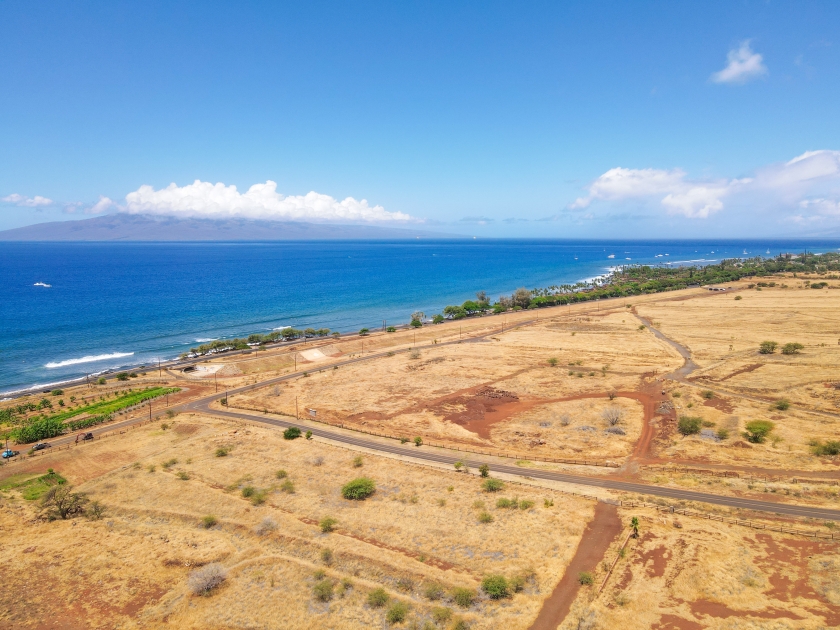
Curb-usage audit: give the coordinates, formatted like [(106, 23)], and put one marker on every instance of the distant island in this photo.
[(139, 227)]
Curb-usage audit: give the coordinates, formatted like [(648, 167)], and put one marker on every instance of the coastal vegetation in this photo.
[(43, 426)]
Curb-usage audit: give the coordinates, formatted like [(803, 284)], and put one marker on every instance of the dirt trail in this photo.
[(596, 539)]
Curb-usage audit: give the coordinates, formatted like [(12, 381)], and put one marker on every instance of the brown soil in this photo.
[(721, 404), (672, 622), (714, 609), (596, 539), (743, 370)]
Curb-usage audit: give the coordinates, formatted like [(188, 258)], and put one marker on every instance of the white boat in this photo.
[(611, 256), (745, 252), (42, 284)]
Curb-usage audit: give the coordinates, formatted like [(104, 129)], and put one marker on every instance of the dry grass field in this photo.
[(192, 497)]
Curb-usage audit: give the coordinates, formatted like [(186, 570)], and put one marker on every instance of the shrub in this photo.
[(281, 474), (292, 433), (506, 503), (689, 425), (378, 598), (738, 297), (248, 491), (390, 329), (829, 447), (57, 392), (526, 504), (722, 434), (708, 394), (122, 376), (460, 624), (517, 583), (288, 486), (101, 380), (758, 430), (792, 348), (485, 517), (418, 441), (783, 404), (496, 586), (358, 489), (441, 614), (548, 503), (492, 485), (61, 502), (552, 361), (767, 347), (327, 524), (484, 470), (95, 510), (183, 476), (205, 579), (397, 612), (433, 591), (478, 504), (458, 465), (357, 461), (323, 590), (612, 415), (327, 556), (308, 435), (364, 331), (585, 578), (267, 526), (463, 596)]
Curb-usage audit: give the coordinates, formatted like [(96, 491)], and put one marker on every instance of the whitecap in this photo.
[(281, 328), (88, 359), (205, 340)]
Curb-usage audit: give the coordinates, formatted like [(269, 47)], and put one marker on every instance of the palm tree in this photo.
[(634, 524)]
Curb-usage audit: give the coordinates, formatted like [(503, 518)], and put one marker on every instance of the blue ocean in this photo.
[(110, 305)]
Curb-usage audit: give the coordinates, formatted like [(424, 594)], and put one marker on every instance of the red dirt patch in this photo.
[(658, 558), (721, 404), (743, 370), (722, 611), (596, 539), (672, 622)]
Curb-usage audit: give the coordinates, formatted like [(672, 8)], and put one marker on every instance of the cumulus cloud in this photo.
[(27, 202), (101, 206), (786, 184), (260, 201), (680, 195), (742, 65)]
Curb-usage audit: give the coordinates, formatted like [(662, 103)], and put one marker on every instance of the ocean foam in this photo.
[(88, 359)]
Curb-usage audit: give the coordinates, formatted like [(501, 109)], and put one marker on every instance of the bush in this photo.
[(585, 578), (463, 596), (397, 612), (792, 348), (492, 485), (327, 524), (205, 579), (327, 556), (358, 489), (288, 486), (281, 474), (95, 510), (101, 380), (390, 329), (364, 331), (552, 361), (526, 504), (612, 415), (507, 503), (308, 435), (767, 347), (441, 614), (517, 583), (433, 591), (418, 441), (722, 434), (60, 502), (689, 425), (57, 392), (378, 598), (484, 470), (708, 394), (357, 461), (783, 404), (122, 376), (458, 465), (248, 491), (829, 447), (292, 433), (323, 590), (738, 297), (485, 517), (460, 624), (758, 430), (496, 586)]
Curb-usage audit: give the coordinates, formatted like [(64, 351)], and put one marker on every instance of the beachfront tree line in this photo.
[(256, 340), (632, 280)]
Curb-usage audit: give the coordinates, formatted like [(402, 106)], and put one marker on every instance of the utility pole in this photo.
[(297, 416), (160, 373), (216, 382), (295, 361), (150, 411)]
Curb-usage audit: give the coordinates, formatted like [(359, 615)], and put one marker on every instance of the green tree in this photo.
[(364, 331), (634, 525), (767, 347), (292, 433), (689, 425), (792, 348), (496, 586), (437, 319), (758, 430), (521, 297), (484, 470)]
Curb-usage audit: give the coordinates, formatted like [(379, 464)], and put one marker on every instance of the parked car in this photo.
[(9, 453), (41, 446), (87, 436)]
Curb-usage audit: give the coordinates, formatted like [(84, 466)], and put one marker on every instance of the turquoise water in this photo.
[(112, 305)]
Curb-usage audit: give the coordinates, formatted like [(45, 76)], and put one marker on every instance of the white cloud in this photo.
[(27, 202), (101, 206), (680, 196), (261, 201), (742, 65), (783, 185)]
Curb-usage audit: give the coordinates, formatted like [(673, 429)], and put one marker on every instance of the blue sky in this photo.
[(552, 119)]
